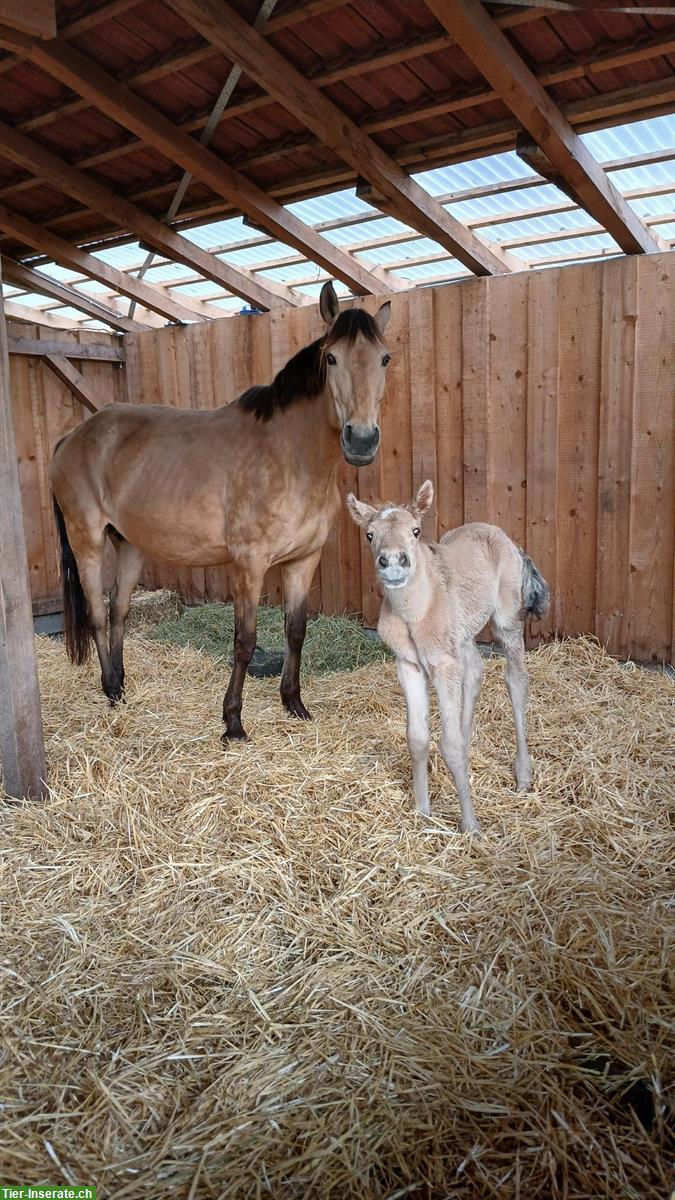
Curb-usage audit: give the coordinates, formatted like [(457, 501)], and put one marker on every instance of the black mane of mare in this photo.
[(304, 375)]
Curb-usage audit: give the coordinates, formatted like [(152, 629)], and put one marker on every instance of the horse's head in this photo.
[(393, 532), (355, 357)]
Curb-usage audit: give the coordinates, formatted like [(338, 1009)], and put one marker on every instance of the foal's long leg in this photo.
[(297, 579), (473, 676), (129, 566), (516, 682), (247, 587), (414, 685), (448, 681)]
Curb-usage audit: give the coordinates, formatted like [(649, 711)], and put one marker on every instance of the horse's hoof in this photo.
[(472, 827), (294, 706), (234, 735)]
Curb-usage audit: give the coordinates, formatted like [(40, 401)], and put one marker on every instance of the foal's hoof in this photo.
[(115, 694), (234, 735), (294, 705), (471, 827)]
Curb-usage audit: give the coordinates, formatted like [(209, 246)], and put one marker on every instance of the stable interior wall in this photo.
[(541, 401)]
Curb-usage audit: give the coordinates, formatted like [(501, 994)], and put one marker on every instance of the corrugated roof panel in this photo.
[(571, 247), (494, 168), (399, 250), (351, 234), (326, 208), (268, 252)]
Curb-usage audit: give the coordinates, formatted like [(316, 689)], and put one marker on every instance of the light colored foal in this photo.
[(437, 598)]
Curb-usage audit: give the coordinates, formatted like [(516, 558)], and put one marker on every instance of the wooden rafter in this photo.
[(222, 26), (15, 311), (489, 48), (68, 255), (37, 281), (70, 181), (39, 347), (113, 98)]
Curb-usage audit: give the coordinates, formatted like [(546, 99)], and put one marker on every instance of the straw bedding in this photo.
[(254, 972)]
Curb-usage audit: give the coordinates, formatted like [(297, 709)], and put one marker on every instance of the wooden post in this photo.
[(21, 741)]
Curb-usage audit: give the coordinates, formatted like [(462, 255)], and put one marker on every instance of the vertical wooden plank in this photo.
[(21, 740), (653, 462), (617, 377), (507, 419), (542, 432), (578, 413), (20, 372), (475, 396), (422, 402), (447, 343)]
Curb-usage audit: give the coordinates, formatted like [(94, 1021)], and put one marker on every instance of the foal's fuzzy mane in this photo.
[(304, 375)]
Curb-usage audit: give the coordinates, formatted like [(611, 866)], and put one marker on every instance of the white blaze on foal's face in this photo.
[(393, 534)]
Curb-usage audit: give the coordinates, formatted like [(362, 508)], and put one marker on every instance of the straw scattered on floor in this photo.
[(254, 973)]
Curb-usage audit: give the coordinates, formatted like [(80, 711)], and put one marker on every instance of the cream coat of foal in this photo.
[(437, 598)]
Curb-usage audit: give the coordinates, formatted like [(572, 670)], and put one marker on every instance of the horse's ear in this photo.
[(383, 316), (360, 512), (424, 498), (328, 303)]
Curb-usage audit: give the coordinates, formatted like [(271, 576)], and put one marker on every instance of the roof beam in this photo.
[(15, 311), (83, 76), (38, 19), (72, 182), (37, 281), (222, 26), (68, 255), (485, 44), (39, 347)]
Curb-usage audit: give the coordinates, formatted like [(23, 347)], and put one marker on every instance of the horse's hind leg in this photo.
[(247, 589), (511, 638), (297, 579), (90, 567), (129, 566)]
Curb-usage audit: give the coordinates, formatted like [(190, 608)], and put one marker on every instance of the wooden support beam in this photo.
[(40, 347), (37, 18), (223, 27), (74, 379), (68, 255), (72, 182), (488, 47), (22, 752), (14, 311), (37, 281), (119, 102)]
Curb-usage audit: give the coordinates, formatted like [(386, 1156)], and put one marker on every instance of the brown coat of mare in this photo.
[(252, 484)]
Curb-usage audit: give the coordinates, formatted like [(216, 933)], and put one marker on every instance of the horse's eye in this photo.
[(331, 360), (386, 360), (416, 531), (369, 535)]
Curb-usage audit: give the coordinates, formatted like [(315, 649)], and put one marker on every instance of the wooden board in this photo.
[(542, 433)]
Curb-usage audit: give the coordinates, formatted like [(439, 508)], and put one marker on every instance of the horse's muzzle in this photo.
[(360, 443)]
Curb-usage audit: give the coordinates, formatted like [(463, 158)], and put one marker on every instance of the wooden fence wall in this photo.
[(541, 401), (44, 409)]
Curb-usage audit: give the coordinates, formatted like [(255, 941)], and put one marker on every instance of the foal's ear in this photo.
[(360, 512), (424, 498), (328, 303), (383, 316)]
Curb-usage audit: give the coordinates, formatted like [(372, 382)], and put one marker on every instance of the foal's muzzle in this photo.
[(393, 568), (359, 443)]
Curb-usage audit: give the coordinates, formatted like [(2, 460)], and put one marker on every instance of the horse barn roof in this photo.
[(385, 143)]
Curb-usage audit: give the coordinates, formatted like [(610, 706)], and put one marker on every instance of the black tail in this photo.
[(536, 594), (75, 612)]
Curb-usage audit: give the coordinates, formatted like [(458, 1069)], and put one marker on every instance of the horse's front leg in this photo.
[(297, 579), (247, 588)]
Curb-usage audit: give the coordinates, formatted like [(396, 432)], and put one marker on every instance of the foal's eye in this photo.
[(386, 360), (331, 360), (369, 536), (416, 531)]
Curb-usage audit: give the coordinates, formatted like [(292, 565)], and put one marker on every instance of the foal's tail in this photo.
[(536, 594), (75, 613)]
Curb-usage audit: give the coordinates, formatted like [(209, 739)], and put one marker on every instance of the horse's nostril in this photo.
[(403, 559), (347, 430), (383, 560)]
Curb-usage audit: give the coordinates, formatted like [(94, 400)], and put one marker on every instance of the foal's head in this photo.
[(355, 359), (393, 532)]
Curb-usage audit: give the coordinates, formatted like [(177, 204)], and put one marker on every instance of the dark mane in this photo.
[(304, 375)]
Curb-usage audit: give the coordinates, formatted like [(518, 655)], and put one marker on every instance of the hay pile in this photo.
[(254, 973)]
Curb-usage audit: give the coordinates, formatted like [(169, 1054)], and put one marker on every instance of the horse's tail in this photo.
[(75, 612), (536, 594)]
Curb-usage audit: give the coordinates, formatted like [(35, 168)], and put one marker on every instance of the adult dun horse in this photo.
[(252, 484)]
